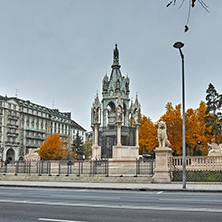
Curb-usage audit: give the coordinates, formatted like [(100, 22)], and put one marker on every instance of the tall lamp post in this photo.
[(179, 45)]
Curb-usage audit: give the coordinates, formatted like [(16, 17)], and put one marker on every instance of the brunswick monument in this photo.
[(115, 120)]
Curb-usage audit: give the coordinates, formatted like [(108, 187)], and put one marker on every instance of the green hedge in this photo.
[(199, 176)]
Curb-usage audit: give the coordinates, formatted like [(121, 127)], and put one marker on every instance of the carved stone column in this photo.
[(137, 135), (119, 134), (96, 150)]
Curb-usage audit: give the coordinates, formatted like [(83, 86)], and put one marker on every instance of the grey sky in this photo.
[(59, 50)]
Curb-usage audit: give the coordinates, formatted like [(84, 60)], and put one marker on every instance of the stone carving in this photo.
[(95, 116), (162, 135), (32, 155), (136, 117), (216, 149), (119, 114)]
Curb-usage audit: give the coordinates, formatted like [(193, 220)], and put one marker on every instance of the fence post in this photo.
[(29, 167), (5, 168), (59, 169), (107, 168), (90, 169), (39, 168), (136, 168), (79, 169), (50, 168), (152, 162), (67, 169), (16, 168)]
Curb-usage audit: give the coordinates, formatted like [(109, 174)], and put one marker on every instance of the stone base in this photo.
[(160, 180), (96, 152), (162, 170), (125, 152)]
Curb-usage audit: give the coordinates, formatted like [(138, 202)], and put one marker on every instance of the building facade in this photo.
[(25, 125)]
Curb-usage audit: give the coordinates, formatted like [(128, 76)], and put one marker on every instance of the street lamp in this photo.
[(179, 45)]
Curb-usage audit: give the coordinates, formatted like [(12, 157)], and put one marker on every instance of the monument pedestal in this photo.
[(162, 161), (125, 152), (96, 152)]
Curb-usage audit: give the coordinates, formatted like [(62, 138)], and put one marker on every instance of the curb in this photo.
[(113, 188)]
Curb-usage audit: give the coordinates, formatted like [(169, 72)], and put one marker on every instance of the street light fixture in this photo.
[(179, 45)]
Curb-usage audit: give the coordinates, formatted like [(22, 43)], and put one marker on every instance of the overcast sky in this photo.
[(60, 50)]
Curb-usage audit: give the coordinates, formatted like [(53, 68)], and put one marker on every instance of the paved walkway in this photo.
[(194, 187)]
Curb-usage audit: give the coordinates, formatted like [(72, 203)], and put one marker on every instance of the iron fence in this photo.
[(144, 166), (67, 167)]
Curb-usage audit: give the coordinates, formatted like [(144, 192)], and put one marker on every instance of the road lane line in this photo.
[(57, 220), (196, 209)]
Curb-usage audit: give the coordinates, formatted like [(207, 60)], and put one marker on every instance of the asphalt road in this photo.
[(68, 205)]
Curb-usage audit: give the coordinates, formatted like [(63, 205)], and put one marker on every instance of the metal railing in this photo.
[(77, 167), (144, 166), (67, 167)]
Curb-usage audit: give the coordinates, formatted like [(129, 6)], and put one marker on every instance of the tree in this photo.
[(52, 148), (214, 117), (147, 135), (196, 139), (173, 120), (191, 4), (78, 147), (88, 148)]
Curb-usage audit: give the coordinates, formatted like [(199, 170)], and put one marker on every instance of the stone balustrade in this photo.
[(199, 162)]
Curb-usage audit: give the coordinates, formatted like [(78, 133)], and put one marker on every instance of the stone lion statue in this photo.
[(162, 135), (216, 150)]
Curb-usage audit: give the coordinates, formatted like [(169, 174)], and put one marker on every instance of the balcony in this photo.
[(12, 126), (12, 134), (11, 143), (35, 137), (13, 117)]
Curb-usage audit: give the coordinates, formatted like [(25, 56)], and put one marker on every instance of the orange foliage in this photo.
[(173, 120), (196, 140), (195, 129), (52, 148), (147, 135)]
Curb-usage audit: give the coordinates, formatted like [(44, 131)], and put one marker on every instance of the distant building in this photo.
[(25, 125)]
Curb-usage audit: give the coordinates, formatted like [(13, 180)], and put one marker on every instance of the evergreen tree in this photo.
[(214, 118), (78, 147)]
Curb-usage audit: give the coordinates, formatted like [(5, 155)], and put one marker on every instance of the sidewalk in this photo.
[(191, 187)]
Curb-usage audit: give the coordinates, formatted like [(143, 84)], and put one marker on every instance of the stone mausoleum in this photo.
[(115, 120)]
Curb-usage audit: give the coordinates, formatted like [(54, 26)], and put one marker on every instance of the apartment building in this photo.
[(25, 125)]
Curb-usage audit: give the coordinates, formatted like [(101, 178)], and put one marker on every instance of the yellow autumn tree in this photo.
[(147, 135), (195, 130), (52, 148), (173, 120)]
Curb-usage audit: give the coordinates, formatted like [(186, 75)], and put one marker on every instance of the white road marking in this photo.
[(194, 209), (56, 220)]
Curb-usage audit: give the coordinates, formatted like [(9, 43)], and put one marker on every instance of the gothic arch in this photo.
[(10, 155), (111, 113)]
